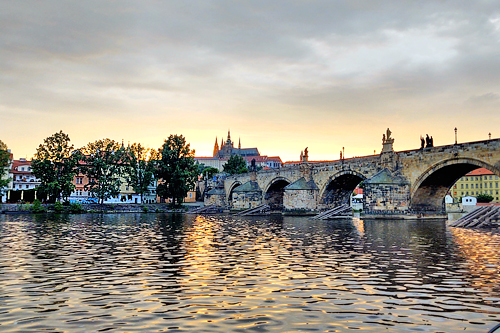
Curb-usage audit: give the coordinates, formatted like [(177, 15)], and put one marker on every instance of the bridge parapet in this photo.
[(424, 177)]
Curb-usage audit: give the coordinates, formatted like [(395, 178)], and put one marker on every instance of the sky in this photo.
[(281, 75)]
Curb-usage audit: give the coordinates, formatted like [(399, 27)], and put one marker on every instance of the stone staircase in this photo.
[(339, 211), (484, 217)]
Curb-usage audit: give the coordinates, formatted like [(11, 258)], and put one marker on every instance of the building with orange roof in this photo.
[(22, 175), (479, 181), (271, 162)]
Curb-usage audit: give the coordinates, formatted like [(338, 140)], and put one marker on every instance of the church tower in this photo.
[(239, 143), (216, 148)]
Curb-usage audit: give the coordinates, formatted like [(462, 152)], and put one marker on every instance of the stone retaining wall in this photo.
[(106, 208)]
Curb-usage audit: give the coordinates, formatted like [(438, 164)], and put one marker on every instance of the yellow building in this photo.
[(479, 181)]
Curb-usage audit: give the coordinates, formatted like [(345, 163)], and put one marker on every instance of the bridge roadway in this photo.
[(394, 183)]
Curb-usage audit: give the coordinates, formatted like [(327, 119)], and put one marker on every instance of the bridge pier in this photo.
[(301, 197), (386, 194), (406, 183)]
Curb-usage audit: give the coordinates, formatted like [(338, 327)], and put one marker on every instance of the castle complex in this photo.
[(227, 149), (222, 153)]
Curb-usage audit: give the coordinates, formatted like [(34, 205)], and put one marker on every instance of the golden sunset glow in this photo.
[(281, 77)]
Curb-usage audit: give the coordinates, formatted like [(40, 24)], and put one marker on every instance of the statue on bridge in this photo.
[(387, 141), (386, 138), (429, 141), (304, 156), (422, 142)]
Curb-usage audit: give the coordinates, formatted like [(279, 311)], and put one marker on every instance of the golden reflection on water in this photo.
[(224, 273), (359, 225), (481, 251)]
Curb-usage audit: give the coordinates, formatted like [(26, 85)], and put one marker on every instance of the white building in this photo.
[(469, 201), (22, 175)]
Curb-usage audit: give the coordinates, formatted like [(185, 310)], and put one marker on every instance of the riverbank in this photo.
[(104, 208)]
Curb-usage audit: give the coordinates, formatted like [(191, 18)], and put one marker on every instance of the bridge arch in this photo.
[(339, 187), (234, 185), (430, 188), (274, 192)]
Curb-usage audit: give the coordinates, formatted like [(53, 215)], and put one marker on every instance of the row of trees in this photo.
[(106, 163)]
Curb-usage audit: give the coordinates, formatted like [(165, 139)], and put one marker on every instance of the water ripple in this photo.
[(155, 273)]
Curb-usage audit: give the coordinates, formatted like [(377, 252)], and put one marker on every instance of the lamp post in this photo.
[(455, 135)]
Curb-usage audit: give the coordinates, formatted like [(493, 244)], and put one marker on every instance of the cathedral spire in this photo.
[(228, 135), (216, 147), (239, 143)]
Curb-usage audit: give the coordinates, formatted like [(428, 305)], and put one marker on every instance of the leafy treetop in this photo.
[(177, 170), (55, 165), (103, 166), (140, 167), (484, 198), (235, 165), (4, 162)]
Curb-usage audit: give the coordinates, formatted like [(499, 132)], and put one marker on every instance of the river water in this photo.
[(156, 273)]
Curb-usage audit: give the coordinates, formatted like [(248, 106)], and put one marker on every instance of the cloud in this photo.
[(485, 99), (253, 62)]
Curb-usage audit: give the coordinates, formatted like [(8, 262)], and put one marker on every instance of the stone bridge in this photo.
[(394, 183)]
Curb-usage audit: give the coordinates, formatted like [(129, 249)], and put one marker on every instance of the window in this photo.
[(466, 178), (461, 185), (477, 185), (79, 180), (491, 185), (466, 185)]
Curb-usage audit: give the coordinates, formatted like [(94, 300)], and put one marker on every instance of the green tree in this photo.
[(103, 166), (235, 165), (209, 172), (140, 168), (55, 165), (484, 198), (4, 164), (177, 171)]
